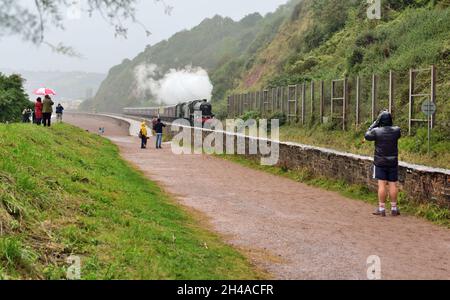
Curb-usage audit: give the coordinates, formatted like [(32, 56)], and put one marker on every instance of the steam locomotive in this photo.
[(185, 110)]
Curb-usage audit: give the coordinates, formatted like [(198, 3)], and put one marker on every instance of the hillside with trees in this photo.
[(13, 99), (302, 41)]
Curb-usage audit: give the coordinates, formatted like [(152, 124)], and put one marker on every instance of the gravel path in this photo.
[(292, 230)]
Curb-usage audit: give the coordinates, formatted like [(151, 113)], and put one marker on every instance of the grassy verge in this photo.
[(412, 149), (430, 212), (66, 192)]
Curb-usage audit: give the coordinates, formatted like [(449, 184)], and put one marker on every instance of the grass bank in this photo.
[(430, 212), (65, 192)]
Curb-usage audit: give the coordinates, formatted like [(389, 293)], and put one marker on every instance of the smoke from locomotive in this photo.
[(174, 86), (186, 110)]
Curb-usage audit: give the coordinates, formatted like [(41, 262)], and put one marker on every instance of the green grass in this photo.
[(431, 212), (412, 149), (66, 192)]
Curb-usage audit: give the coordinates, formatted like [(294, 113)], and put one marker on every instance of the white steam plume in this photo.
[(143, 75), (176, 86)]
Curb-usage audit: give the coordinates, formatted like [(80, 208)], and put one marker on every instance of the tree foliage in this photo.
[(31, 21), (13, 99)]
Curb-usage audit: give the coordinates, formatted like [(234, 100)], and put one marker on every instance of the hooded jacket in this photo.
[(59, 109), (386, 137), (143, 131), (47, 106)]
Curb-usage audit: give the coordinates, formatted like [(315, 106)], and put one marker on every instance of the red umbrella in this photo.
[(44, 91)]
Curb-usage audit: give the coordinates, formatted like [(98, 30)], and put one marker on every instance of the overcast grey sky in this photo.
[(95, 40)]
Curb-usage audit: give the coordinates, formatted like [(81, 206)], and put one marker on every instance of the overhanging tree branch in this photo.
[(31, 23)]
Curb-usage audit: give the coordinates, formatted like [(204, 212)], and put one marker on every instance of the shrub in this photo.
[(356, 58), (251, 115), (278, 116), (366, 39), (304, 65)]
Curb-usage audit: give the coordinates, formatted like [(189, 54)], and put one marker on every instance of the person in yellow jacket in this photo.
[(143, 134)]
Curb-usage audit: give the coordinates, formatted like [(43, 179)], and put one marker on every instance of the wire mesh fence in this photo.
[(355, 101)]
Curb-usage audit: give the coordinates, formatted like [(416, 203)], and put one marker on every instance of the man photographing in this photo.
[(386, 136)]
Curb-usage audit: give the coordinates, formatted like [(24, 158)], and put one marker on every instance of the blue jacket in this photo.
[(59, 109)]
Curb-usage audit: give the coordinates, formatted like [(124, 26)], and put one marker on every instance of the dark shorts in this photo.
[(386, 174)]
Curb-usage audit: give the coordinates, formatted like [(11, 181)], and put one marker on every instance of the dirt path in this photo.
[(290, 229)]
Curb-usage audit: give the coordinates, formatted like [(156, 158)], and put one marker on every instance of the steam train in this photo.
[(185, 110)]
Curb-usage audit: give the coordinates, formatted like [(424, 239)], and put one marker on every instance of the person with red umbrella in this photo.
[(38, 111), (47, 104)]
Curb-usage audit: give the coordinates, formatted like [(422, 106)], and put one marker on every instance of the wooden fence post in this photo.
[(433, 91), (358, 95), (303, 102), (312, 101), (411, 92), (391, 91), (344, 104), (332, 102), (374, 96), (321, 101)]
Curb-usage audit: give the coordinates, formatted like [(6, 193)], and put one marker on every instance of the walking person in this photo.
[(143, 134), (38, 111), (158, 127), (47, 110), (386, 136), (59, 113)]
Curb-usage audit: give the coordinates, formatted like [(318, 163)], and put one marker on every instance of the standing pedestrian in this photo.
[(143, 134), (30, 116), (154, 121), (26, 115), (38, 111), (386, 136), (159, 133), (59, 113), (47, 110)]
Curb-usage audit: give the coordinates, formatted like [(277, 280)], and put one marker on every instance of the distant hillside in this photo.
[(210, 45), (68, 85)]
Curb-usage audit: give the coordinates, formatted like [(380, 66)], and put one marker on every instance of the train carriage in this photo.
[(185, 110)]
